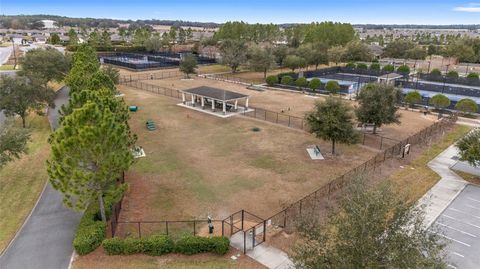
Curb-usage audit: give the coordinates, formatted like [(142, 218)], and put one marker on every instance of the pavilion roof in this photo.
[(215, 93)]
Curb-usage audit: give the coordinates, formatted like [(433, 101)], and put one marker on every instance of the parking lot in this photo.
[(459, 225)]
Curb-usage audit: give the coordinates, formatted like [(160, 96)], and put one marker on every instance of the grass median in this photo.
[(22, 180)]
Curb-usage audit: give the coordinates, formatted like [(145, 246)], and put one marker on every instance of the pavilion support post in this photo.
[(193, 100), (203, 102), (224, 107), (236, 105), (183, 97), (246, 103), (213, 105)]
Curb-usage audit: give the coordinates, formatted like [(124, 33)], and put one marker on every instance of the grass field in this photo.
[(297, 104), (417, 178), (6, 67), (21, 181), (198, 164)]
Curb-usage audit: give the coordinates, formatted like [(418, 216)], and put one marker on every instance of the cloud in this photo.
[(472, 7)]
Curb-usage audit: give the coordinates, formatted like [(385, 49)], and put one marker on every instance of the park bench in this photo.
[(316, 149), (151, 125)]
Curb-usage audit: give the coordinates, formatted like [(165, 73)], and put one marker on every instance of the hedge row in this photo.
[(157, 245), (91, 230)]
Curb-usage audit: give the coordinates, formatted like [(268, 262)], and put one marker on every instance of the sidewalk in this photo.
[(269, 256), (449, 186)]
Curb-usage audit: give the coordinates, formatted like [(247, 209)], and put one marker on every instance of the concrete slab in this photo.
[(218, 113), (315, 155)]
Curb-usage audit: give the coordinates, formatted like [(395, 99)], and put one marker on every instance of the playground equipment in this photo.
[(151, 125)]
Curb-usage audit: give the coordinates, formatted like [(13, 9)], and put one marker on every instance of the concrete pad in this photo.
[(218, 113), (313, 155)]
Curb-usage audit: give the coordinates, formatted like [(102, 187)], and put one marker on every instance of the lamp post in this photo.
[(445, 78)]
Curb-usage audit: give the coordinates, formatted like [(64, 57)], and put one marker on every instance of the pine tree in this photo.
[(90, 150)]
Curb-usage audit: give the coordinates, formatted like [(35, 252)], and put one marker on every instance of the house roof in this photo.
[(215, 93)]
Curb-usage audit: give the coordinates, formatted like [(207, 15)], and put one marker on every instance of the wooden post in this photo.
[(194, 227), (139, 231), (166, 226)]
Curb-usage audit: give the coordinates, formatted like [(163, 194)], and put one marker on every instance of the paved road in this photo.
[(459, 225), (45, 240), (5, 54)]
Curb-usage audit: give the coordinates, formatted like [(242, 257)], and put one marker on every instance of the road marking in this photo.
[(458, 254), (455, 229), (451, 266), (473, 199), (451, 239), (463, 212), (468, 223), (474, 207)]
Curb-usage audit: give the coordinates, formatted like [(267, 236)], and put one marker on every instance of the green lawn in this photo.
[(6, 67), (416, 178), (21, 181)]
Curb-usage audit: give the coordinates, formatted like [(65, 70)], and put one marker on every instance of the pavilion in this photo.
[(214, 98)]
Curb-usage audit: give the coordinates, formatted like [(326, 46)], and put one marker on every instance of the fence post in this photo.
[(253, 237), (223, 227), (166, 226), (264, 230), (381, 142), (243, 213), (301, 207), (231, 225), (139, 230), (194, 227), (244, 243)]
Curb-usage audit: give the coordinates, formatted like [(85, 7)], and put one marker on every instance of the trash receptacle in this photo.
[(133, 108)]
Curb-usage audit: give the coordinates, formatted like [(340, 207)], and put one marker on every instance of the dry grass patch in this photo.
[(297, 104), (198, 164), (417, 178), (21, 181)]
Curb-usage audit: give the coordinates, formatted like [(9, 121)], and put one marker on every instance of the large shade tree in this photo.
[(13, 141), (372, 227), (44, 65), (332, 120), (20, 95), (233, 53), (188, 64), (377, 105), (261, 60)]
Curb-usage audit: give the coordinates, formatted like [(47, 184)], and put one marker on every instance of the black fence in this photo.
[(450, 80), (141, 61), (288, 217), (373, 74), (152, 76)]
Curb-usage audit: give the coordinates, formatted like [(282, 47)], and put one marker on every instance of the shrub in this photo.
[(435, 72), (440, 101), (194, 244), (154, 245), (272, 80), (467, 105), (287, 80), (301, 82), (332, 86), (219, 245), (362, 66), (413, 98), (388, 68), (256, 129), (157, 245), (91, 230), (315, 84), (403, 69), (473, 75), (375, 66), (350, 65), (452, 74)]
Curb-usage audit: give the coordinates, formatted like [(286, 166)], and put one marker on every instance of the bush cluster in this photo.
[(272, 80), (91, 230), (157, 245)]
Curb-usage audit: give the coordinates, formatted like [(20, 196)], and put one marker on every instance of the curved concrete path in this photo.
[(445, 191), (45, 239)]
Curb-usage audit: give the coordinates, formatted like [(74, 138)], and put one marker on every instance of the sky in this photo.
[(266, 11)]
